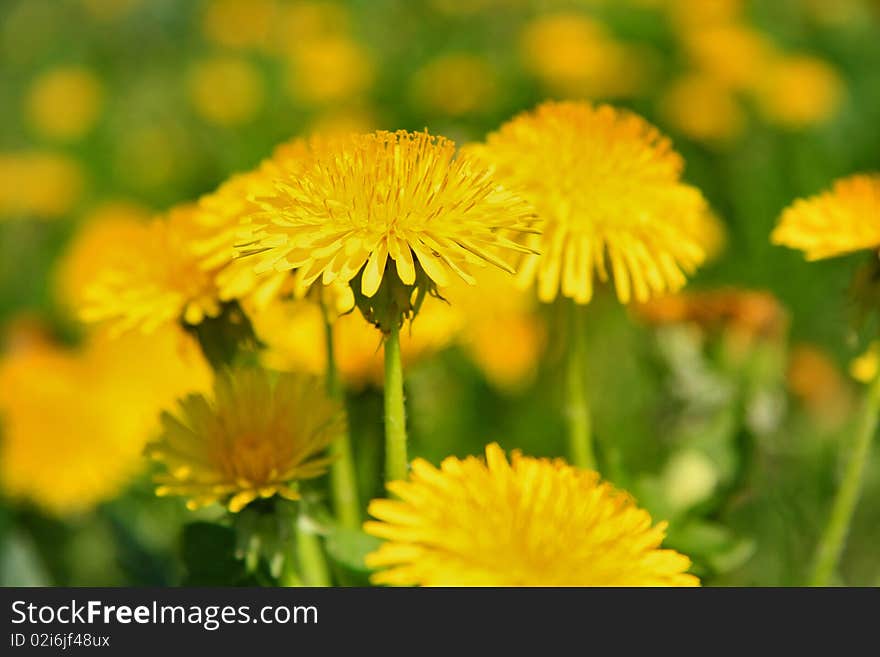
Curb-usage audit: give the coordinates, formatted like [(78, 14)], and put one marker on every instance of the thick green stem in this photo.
[(313, 565), (577, 409), (343, 476), (395, 416), (834, 537)]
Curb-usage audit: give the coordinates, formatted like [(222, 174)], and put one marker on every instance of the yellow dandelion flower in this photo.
[(95, 247), (362, 199), (576, 56), (39, 184), (799, 91), (328, 70), (602, 180), (64, 103), (733, 54), (455, 84), (154, 278), (835, 222), (702, 108), (239, 23), (226, 91), (257, 437), (526, 522), (75, 422)]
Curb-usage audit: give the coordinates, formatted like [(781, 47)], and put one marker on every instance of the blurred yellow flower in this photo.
[(864, 368), (601, 180), (576, 56), (95, 246), (455, 84), (75, 421), (226, 90), (703, 109), (814, 378), (258, 435), (64, 103), (328, 70), (735, 55), (39, 184), (153, 278), (835, 222), (688, 16), (499, 328), (527, 522), (343, 121), (362, 199), (239, 23), (799, 90), (304, 20)]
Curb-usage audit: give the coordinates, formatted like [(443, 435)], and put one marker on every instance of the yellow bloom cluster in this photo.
[(523, 522), (39, 184)]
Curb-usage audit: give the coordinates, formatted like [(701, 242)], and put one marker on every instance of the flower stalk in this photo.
[(312, 563), (577, 408), (833, 538), (343, 476), (396, 460)]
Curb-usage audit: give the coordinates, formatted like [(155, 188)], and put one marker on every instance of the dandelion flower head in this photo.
[(523, 522), (603, 181), (257, 436), (842, 220)]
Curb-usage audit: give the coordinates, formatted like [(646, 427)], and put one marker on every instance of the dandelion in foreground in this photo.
[(839, 221), (258, 436), (396, 215), (843, 220), (523, 522), (606, 187)]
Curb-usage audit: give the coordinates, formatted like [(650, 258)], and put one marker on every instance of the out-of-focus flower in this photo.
[(75, 421), (293, 334), (239, 23), (688, 16), (39, 184), (748, 313), (602, 180), (226, 90), (95, 246), (455, 84), (703, 109), (64, 103), (323, 71), (155, 279), (338, 216), (734, 55), (864, 368), (576, 56), (799, 91), (835, 222), (305, 20), (816, 381), (499, 327), (527, 522), (257, 436)]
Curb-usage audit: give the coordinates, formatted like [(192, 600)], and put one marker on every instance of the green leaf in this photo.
[(348, 547)]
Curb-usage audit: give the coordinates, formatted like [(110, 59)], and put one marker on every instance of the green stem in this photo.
[(396, 461), (343, 477), (313, 565), (834, 537), (577, 409)]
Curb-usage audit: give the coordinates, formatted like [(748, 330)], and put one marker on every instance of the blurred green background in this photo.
[(732, 430)]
